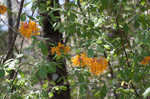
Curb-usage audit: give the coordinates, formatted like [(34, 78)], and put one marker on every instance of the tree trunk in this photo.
[(10, 23), (54, 36)]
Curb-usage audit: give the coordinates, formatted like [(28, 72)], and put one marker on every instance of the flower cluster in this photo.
[(96, 65), (61, 48), (79, 60), (3, 9), (146, 60), (29, 29)]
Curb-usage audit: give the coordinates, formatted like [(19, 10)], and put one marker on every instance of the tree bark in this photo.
[(10, 23), (54, 36)]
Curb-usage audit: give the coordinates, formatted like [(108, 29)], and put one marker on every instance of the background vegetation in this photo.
[(82, 49)]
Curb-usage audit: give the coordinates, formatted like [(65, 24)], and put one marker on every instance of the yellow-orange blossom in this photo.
[(58, 49), (96, 65), (146, 60), (3, 9), (29, 29)]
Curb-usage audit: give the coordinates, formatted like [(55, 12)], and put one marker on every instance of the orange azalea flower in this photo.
[(84, 59), (29, 29), (66, 50), (79, 60), (53, 49), (96, 65), (76, 60), (61, 45), (3, 9), (146, 60), (58, 49)]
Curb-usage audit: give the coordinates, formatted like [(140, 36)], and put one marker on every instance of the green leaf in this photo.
[(43, 48), (50, 94), (51, 67), (78, 51), (125, 91), (22, 74), (16, 96), (105, 3), (146, 92), (103, 91), (23, 17), (57, 26), (100, 49), (107, 47), (83, 89), (32, 18), (90, 53), (63, 88), (99, 41), (45, 85), (26, 4), (42, 72), (45, 68), (2, 73)]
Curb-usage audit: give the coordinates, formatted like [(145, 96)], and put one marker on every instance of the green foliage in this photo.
[(115, 29), (43, 48), (146, 93), (45, 68), (2, 73)]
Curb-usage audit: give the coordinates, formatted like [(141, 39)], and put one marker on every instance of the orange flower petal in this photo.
[(29, 29), (3, 9)]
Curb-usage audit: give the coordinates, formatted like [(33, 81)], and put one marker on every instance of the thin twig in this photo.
[(122, 36), (124, 49), (79, 5), (13, 30), (112, 74), (109, 64)]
